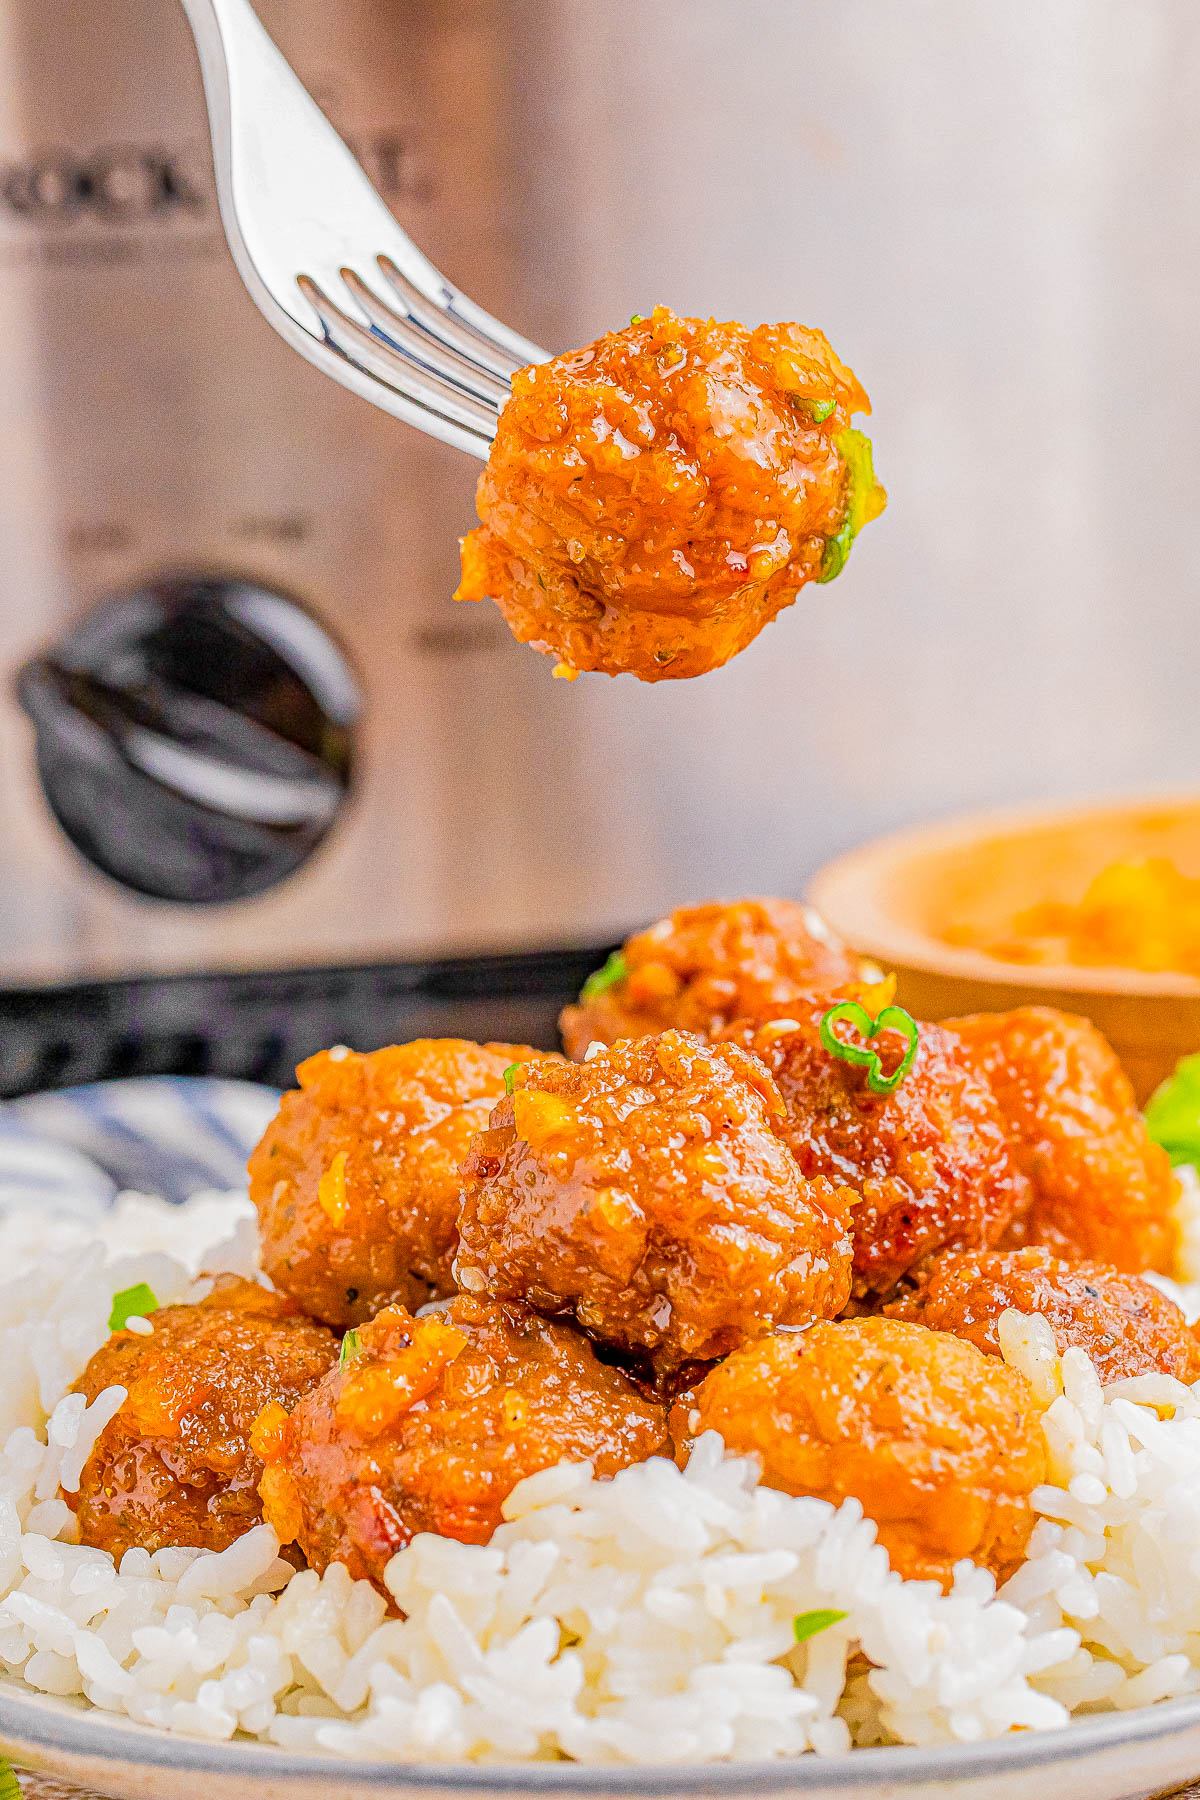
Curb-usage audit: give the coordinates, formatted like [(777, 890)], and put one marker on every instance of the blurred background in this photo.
[(244, 729)]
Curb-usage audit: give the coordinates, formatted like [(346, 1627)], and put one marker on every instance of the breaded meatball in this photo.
[(356, 1179), (941, 1444), (1101, 1188), (706, 965), (431, 1423), (175, 1466), (647, 1193), (1126, 1325), (653, 500), (931, 1160)]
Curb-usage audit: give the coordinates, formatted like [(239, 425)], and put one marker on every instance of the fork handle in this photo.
[(301, 218), (272, 142), (233, 45), (250, 88)]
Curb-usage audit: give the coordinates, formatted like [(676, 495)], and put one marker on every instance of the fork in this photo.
[(324, 259)]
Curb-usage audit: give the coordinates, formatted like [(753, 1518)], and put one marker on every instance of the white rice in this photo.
[(645, 1619)]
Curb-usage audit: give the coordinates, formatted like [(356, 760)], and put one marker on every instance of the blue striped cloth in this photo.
[(74, 1150)]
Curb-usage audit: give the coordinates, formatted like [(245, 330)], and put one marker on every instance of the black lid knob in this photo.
[(194, 737)]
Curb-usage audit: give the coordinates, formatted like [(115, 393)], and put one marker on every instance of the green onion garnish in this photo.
[(351, 1347), (833, 557), (637, 319), (892, 1018), (807, 1625), (615, 970), (130, 1303), (817, 410), (510, 1076), (1173, 1113), (10, 1787), (865, 499)]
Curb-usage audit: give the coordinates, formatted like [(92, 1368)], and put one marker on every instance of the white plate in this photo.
[(1112, 1756)]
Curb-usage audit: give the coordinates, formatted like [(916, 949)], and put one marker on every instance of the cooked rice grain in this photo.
[(644, 1619)]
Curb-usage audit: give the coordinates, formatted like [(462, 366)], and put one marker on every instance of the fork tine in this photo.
[(445, 323), (424, 394), (422, 348), (421, 275)]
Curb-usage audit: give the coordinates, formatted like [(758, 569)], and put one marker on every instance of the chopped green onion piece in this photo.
[(807, 1625), (1173, 1113), (637, 319), (892, 1018), (10, 1787), (615, 970), (510, 1076), (351, 1347), (817, 410), (833, 558), (131, 1303), (865, 499)]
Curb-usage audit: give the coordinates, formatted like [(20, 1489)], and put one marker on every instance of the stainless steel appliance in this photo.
[(987, 208)]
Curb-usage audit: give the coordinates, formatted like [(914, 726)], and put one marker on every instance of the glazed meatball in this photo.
[(430, 1423), (647, 1193), (175, 1466), (653, 500), (930, 1161), (707, 965), (940, 1444), (1127, 1326), (1101, 1188), (356, 1179)]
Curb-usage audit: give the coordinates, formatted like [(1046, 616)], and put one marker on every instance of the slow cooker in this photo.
[(244, 729)]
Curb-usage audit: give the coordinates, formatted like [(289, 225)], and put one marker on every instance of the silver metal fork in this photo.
[(323, 257)]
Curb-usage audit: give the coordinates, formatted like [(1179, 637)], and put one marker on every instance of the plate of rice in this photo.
[(680, 1626)]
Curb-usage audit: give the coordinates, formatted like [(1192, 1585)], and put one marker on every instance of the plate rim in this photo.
[(53, 1724)]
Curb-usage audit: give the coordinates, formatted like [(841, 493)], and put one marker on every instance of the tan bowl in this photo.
[(891, 899)]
